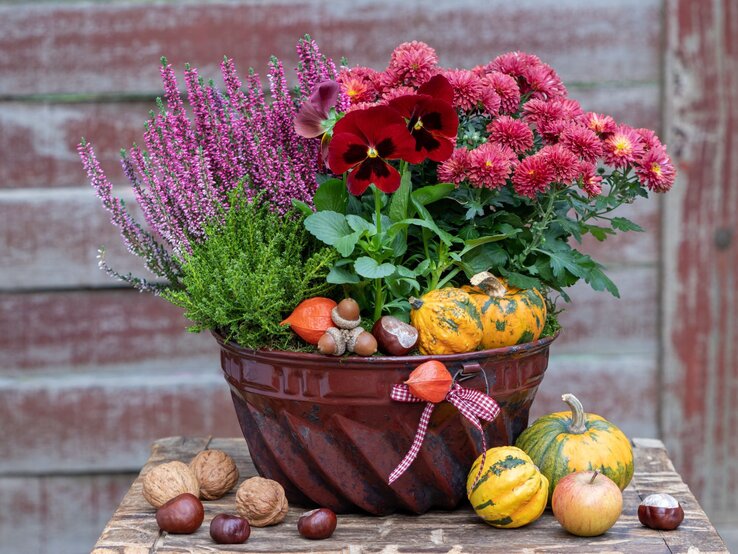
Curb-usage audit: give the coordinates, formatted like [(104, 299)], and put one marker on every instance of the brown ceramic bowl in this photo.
[(326, 429)]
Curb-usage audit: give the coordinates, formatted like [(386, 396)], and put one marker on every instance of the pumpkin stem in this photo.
[(490, 284), (577, 426), (415, 302)]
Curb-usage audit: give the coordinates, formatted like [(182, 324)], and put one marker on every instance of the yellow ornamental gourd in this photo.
[(511, 492), (509, 315), (447, 322)]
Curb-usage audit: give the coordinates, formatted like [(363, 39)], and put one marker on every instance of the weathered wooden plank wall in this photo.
[(90, 372), (700, 277)]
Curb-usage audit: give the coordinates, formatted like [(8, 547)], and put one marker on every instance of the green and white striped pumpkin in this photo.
[(564, 442)]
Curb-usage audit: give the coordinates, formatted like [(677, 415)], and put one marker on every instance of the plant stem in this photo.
[(378, 284), (540, 229)]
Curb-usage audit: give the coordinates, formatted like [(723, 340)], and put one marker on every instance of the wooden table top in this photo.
[(133, 528)]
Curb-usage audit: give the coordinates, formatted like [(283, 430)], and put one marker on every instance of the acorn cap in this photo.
[(342, 323), (339, 339), (351, 336)]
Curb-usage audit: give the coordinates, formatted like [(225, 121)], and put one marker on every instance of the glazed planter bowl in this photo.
[(327, 430)]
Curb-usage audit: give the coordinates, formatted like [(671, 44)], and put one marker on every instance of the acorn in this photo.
[(362, 343), (332, 343), (346, 314)]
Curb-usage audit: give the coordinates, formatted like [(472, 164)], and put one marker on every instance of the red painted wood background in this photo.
[(91, 373)]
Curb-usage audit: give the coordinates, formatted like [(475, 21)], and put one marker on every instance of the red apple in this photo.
[(587, 503)]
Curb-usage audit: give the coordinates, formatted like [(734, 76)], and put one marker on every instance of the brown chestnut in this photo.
[(317, 524), (182, 515), (229, 529), (660, 511), (394, 337)]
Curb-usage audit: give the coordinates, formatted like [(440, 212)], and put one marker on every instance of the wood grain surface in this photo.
[(133, 527), (700, 276)]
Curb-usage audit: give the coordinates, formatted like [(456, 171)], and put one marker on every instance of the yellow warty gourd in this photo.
[(447, 322), (511, 492)]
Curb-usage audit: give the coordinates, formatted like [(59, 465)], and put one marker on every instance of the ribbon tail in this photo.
[(415, 448)]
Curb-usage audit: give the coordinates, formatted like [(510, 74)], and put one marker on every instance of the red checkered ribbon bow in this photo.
[(472, 404)]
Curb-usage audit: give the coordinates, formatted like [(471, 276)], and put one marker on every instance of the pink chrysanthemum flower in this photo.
[(655, 170), (582, 141), (532, 175), (564, 163), (413, 63), (514, 63), (538, 111), (603, 125), (456, 168), (357, 90), (544, 82), (506, 88), (649, 138), (510, 132), (490, 165), (396, 92), (467, 88), (360, 106), (623, 147), (491, 101), (590, 181)]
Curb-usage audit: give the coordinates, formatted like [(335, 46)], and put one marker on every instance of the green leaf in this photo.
[(522, 281), (331, 195), (625, 224), (328, 226), (599, 281), (563, 259), (346, 244), (342, 276), (427, 224), (484, 259), (432, 193), (359, 224), (401, 197), (302, 207), (369, 268), (600, 233), (471, 244), (402, 271)]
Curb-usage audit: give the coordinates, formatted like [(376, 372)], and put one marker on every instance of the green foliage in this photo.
[(250, 273)]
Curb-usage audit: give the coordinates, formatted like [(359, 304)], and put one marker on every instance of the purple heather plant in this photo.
[(184, 173)]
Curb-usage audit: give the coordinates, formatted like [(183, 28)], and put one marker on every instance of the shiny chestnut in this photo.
[(394, 337), (182, 515), (229, 529), (317, 524), (660, 511)]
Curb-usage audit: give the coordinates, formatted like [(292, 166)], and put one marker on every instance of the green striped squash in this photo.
[(565, 442)]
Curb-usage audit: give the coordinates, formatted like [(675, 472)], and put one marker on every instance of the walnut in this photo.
[(215, 471), (261, 501), (165, 481)]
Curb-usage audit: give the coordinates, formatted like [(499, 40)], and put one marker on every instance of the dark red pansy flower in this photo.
[(431, 120), (362, 141)]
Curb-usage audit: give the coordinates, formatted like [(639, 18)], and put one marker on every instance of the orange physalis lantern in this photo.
[(311, 318), (430, 381)]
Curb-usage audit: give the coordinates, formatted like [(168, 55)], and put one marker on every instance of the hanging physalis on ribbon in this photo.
[(431, 382)]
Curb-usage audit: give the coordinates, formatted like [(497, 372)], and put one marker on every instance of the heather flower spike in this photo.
[(431, 120), (363, 141)]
